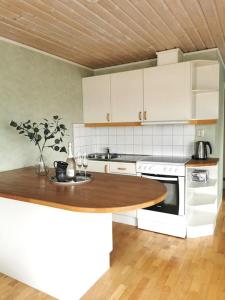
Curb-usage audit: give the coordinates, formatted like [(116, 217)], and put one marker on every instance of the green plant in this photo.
[(45, 134)]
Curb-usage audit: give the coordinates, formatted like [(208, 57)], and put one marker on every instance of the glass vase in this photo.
[(41, 166)]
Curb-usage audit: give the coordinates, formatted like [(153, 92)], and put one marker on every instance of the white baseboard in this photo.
[(124, 219)]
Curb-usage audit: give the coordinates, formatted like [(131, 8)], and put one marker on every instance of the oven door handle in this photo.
[(161, 178)]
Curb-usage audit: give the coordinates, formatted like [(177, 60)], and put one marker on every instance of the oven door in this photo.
[(174, 202)]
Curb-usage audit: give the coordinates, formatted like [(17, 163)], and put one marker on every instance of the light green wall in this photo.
[(34, 86)]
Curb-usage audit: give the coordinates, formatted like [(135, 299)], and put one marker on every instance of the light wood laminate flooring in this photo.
[(147, 266)]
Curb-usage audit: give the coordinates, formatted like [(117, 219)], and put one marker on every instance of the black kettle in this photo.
[(201, 151)]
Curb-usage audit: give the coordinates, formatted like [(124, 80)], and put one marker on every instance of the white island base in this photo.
[(60, 252)]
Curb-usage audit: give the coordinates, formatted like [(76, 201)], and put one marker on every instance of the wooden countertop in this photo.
[(105, 193), (202, 163)]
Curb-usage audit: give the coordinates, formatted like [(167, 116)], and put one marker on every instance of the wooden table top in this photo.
[(105, 193)]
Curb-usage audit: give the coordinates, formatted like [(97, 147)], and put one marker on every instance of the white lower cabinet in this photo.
[(121, 168), (98, 166), (201, 202)]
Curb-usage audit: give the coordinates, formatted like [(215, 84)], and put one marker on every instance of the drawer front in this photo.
[(122, 168), (98, 166)]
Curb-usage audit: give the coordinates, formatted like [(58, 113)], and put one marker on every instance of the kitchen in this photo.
[(32, 80)]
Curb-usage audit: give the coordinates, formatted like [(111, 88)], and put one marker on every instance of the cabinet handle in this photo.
[(106, 169), (145, 115), (123, 169), (108, 117), (140, 115)]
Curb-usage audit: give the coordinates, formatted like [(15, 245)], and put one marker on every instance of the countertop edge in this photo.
[(84, 209), (202, 163)]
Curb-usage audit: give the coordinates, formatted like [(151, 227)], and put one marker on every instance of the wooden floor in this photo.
[(148, 266)]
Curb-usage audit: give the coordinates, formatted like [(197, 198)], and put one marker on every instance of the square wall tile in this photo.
[(129, 149), (147, 130), (138, 139), (157, 130), (129, 139), (167, 150), (112, 130), (189, 130), (147, 150), (112, 139), (147, 140), (138, 130), (157, 150), (138, 149), (120, 139), (178, 129), (157, 140), (178, 140), (167, 140), (167, 130), (129, 130), (120, 130), (178, 150), (188, 140)]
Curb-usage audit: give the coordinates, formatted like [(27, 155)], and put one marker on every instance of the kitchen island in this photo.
[(58, 238)]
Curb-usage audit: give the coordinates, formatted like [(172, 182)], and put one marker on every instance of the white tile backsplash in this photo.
[(167, 140)]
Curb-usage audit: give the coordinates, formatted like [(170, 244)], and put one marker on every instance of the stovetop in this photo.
[(166, 159)]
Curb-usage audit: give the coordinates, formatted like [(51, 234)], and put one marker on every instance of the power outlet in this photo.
[(200, 133)]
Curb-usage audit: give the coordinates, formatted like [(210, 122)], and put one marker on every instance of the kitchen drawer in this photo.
[(98, 166), (122, 168)]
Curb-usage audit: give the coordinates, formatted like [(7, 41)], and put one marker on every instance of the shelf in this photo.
[(201, 224), (197, 185), (203, 91), (202, 199)]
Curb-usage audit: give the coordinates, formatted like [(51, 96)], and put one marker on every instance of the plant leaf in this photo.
[(13, 124), (63, 149)]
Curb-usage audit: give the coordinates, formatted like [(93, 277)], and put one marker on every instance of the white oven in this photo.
[(174, 202), (168, 216)]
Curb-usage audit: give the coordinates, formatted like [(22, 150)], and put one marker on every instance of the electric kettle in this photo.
[(201, 151)]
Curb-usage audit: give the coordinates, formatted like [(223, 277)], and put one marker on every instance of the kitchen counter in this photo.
[(105, 193), (202, 163), (58, 239), (129, 158)]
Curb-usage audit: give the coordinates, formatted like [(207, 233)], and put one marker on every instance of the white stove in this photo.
[(162, 165), (168, 216)]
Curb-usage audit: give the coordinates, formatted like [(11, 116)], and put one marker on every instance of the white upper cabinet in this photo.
[(96, 99), (167, 93), (127, 96)]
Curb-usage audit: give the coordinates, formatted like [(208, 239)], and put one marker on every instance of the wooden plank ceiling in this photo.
[(101, 33)]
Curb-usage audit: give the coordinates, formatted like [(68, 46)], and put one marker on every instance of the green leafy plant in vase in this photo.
[(46, 134)]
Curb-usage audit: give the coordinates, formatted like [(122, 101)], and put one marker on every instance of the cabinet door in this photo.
[(127, 96), (96, 99), (98, 166), (122, 168), (167, 92)]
